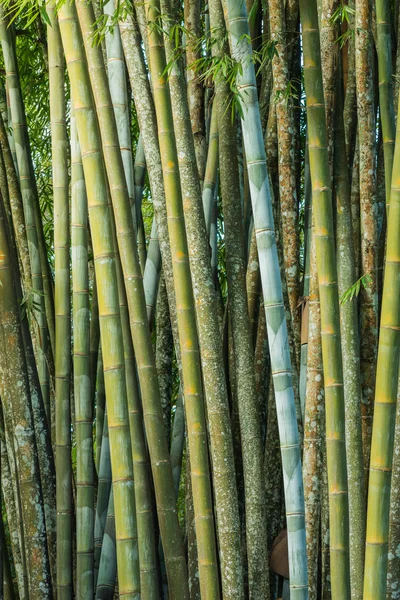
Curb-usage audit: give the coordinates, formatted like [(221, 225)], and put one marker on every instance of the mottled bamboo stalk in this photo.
[(369, 232)]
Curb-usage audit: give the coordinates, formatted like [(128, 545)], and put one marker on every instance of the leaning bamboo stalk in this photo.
[(380, 473), (106, 277), (82, 381), (138, 319), (273, 298)]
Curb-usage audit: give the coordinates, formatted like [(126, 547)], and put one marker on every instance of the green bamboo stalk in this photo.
[(386, 103), (100, 406), (140, 172), (206, 311), (329, 301), (15, 395), (195, 87), (62, 309), (273, 299), (211, 172), (108, 561), (393, 576), (103, 496), (380, 473), (28, 196), (82, 381), (152, 273), (177, 441), (192, 376), (91, 151), (106, 276), (119, 95)]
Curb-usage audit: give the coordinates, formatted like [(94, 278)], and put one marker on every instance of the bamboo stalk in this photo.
[(380, 473), (329, 301), (82, 381), (273, 299)]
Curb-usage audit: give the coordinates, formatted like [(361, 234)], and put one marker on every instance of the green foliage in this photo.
[(343, 14), (353, 291), (30, 306)]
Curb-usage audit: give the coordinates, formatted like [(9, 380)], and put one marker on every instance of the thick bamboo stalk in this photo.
[(82, 382), (273, 299), (59, 144), (376, 555), (329, 302)]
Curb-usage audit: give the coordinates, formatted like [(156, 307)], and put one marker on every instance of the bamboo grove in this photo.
[(200, 299)]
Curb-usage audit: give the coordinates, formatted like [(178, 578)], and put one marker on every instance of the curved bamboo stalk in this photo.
[(59, 145), (138, 320), (82, 381), (273, 300), (387, 373)]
